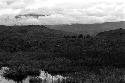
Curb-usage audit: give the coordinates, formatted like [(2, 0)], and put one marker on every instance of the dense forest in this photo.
[(28, 49)]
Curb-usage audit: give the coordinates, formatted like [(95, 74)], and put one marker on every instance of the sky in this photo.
[(51, 12)]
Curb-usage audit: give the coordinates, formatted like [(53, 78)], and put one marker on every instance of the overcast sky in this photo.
[(61, 11)]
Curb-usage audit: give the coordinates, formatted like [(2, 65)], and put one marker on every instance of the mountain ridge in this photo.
[(89, 28)]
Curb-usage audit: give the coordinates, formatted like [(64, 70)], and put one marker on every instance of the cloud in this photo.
[(62, 11)]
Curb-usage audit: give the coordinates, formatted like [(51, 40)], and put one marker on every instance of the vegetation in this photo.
[(28, 49)]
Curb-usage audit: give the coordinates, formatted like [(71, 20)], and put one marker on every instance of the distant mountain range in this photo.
[(61, 30), (89, 28)]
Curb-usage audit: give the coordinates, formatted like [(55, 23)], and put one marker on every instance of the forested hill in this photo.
[(16, 38), (112, 34), (34, 31)]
